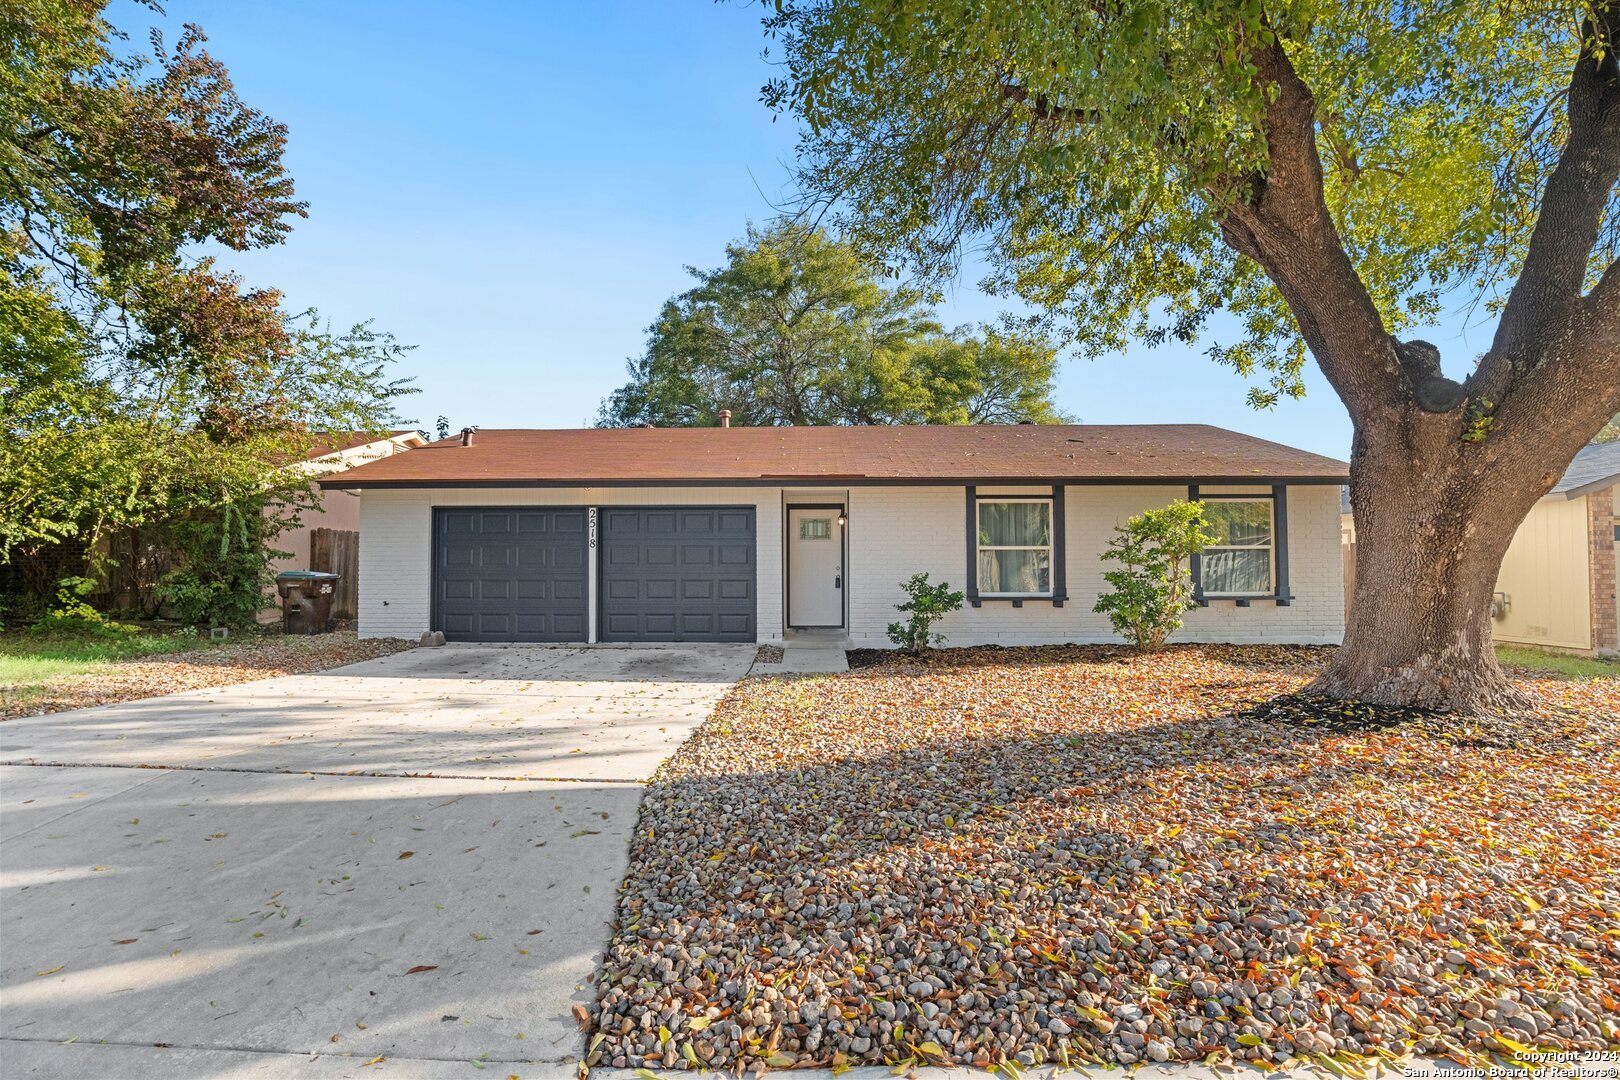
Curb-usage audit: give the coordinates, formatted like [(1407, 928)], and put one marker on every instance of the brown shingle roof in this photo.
[(336, 442), (1005, 453)]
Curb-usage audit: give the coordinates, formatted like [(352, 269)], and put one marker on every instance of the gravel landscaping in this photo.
[(257, 656), (1078, 855)]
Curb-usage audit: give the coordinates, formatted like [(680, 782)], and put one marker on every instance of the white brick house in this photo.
[(752, 534)]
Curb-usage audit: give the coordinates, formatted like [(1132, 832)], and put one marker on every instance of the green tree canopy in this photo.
[(796, 329), (1330, 172), (1102, 150), (139, 381)]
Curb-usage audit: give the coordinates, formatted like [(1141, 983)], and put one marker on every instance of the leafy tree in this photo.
[(1610, 432), (795, 329), (140, 385), (926, 603), (1331, 174), (1153, 584)]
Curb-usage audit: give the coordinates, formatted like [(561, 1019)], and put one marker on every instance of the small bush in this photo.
[(73, 616), (222, 571), (1153, 584), (927, 604)]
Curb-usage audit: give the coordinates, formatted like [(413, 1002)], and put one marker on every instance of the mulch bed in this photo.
[(1079, 855), (254, 657)]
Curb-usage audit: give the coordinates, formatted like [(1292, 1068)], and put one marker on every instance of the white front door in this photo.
[(815, 567)]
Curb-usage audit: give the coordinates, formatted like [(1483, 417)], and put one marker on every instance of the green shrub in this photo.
[(73, 616), (1153, 584), (926, 605), (222, 573)]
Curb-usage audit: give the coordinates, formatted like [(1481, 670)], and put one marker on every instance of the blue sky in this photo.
[(515, 189)]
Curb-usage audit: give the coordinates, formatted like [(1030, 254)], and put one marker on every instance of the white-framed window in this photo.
[(1242, 561), (1015, 547)]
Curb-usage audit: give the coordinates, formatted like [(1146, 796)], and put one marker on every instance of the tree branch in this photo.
[(1553, 369), (1572, 207), (1043, 107), (1605, 295), (1283, 223)]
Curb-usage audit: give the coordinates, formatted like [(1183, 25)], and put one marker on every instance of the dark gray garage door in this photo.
[(677, 573), (510, 573)]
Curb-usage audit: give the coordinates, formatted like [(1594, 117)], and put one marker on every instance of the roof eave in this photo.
[(347, 480), (1588, 488)]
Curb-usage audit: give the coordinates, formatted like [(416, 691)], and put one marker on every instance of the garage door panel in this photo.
[(678, 574), (511, 574)]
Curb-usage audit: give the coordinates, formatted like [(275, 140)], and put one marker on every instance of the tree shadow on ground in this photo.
[(982, 851)]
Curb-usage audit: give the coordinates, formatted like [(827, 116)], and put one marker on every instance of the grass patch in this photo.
[(30, 661), (1544, 662)]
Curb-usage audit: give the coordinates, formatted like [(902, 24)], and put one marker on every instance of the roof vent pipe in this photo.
[(466, 435), (725, 417)]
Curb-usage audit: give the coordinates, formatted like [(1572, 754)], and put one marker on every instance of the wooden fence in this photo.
[(337, 551)]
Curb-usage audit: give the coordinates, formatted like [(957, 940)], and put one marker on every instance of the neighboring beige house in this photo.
[(340, 510), (766, 534), (1557, 586)]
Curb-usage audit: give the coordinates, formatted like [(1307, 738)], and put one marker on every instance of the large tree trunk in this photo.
[(1433, 523), (1442, 473)]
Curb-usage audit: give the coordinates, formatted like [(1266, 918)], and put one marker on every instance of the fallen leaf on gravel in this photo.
[(1079, 855), (406, 854), (59, 967), (421, 967)]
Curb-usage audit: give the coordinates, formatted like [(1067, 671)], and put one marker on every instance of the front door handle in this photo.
[(838, 578)]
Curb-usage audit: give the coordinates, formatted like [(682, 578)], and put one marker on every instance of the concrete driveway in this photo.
[(414, 858)]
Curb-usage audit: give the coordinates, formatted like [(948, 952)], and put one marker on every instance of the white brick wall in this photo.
[(894, 532), (396, 543)]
